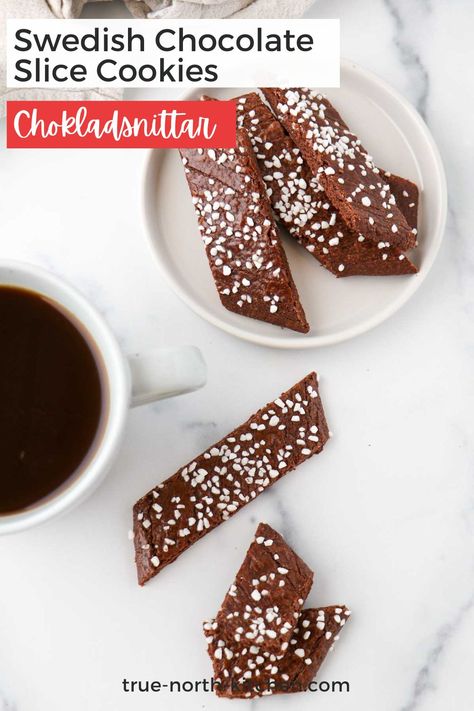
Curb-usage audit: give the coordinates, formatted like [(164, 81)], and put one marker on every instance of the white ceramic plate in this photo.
[(337, 309)]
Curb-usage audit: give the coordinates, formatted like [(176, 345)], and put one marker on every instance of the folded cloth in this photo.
[(191, 9), (45, 10), (153, 9), (211, 9)]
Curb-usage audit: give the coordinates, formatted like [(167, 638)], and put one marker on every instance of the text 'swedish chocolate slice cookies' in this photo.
[(243, 247), (264, 602), (353, 183), (249, 671), (227, 476), (302, 206)]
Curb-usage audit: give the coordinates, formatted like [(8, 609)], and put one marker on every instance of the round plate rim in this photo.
[(314, 341)]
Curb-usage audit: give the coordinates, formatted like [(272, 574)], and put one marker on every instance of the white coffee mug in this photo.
[(136, 380)]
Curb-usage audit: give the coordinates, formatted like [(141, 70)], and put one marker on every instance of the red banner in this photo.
[(121, 124)]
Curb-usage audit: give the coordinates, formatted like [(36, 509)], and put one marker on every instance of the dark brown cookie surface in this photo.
[(242, 243), (353, 183), (263, 603), (302, 206), (407, 195), (250, 671), (227, 476)]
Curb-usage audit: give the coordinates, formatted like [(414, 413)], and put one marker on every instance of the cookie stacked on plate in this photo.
[(261, 641), (296, 163)]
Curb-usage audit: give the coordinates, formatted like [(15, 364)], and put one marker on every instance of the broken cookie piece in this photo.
[(264, 602), (227, 476), (247, 671), (243, 246)]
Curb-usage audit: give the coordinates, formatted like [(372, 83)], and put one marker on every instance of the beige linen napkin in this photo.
[(153, 9), (209, 9), (170, 9)]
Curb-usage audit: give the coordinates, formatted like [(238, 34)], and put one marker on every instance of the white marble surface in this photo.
[(384, 515)]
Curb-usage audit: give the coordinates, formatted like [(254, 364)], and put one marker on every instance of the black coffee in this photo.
[(50, 398)]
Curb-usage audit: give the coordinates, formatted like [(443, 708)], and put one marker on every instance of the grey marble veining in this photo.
[(425, 683), (6, 705), (402, 15)]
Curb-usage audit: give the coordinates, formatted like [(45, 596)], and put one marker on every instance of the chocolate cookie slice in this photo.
[(248, 671), (264, 602), (302, 206), (353, 183), (407, 195), (243, 247), (227, 476)]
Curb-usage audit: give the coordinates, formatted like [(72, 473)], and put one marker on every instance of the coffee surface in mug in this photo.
[(50, 398)]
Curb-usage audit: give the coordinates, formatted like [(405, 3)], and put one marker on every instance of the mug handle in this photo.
[(166, 372)]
